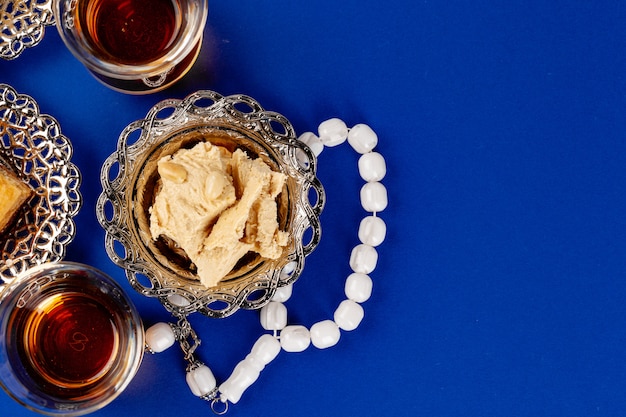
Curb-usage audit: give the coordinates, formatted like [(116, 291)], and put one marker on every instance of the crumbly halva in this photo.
[(218, 206)]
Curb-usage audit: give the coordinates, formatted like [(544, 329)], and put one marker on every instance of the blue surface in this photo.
[(501, 287)]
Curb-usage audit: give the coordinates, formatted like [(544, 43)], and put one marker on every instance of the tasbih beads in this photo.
[(273, 316)]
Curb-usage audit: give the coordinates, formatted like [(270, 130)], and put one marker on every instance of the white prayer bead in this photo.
[(374, 197), (372, 230), (333, 132), (201, 381), (265, 349), (295, 338), (348, 315), (372, 166), (358, 287), (274, 316), (283, 293), (362, 138), (312, 141), (288, 270), (303, 159), (248, 370), (363, 259), (325, 334), (160, 337), (244, 375)]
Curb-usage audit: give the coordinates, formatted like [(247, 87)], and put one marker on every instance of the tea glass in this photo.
[(133, 46), (70, 339)]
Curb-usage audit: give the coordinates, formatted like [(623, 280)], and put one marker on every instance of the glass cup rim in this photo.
[(191, 36)]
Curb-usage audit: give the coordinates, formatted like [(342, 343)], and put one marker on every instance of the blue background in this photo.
[(500, 288)]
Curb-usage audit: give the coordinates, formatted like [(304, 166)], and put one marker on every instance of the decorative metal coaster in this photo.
[(33, 148), (22, 25)]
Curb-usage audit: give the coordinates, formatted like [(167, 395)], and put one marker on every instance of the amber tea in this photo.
[(130, 31), (66, 343)]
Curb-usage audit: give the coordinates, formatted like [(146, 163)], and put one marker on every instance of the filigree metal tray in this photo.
[(129, 178), (22, 25), (33, 147)]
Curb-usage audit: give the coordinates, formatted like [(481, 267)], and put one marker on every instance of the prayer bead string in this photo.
[(273, 316)]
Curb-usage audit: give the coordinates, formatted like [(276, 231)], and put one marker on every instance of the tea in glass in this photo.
[(134, 46), (70, 339), (130, 32)]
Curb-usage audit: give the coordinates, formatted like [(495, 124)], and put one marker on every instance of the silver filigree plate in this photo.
[(22, 25), (32, 146), (157, 268)]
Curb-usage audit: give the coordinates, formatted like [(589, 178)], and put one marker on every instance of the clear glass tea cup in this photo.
[(70, 339), (133, 46)]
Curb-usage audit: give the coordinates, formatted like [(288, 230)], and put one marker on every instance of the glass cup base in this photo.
[(149, 85)]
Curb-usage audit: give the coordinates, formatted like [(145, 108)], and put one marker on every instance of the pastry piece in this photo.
[(13, 194)]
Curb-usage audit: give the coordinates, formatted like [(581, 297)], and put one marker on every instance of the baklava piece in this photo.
[(13, 195)]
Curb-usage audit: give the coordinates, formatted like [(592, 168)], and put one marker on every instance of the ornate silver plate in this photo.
[(157, 268), (33, 147), (22, 25)]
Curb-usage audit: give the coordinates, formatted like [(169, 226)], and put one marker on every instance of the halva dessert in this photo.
[(217, 206), (13, 194)]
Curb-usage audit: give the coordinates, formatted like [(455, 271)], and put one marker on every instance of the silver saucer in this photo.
[(33, 147)]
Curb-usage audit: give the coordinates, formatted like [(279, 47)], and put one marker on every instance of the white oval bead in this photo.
[(363, 259), (358, 287), (348, 315), (273, 316), (160, 337), (201, 381), (312, 141), (372, 230), (374, 197), (288, 270), (325, 334), (303, 159), (244, 375), (295, 338), (333, 132), (372, 166), (265, 349), (283, 293), (362, 138)]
